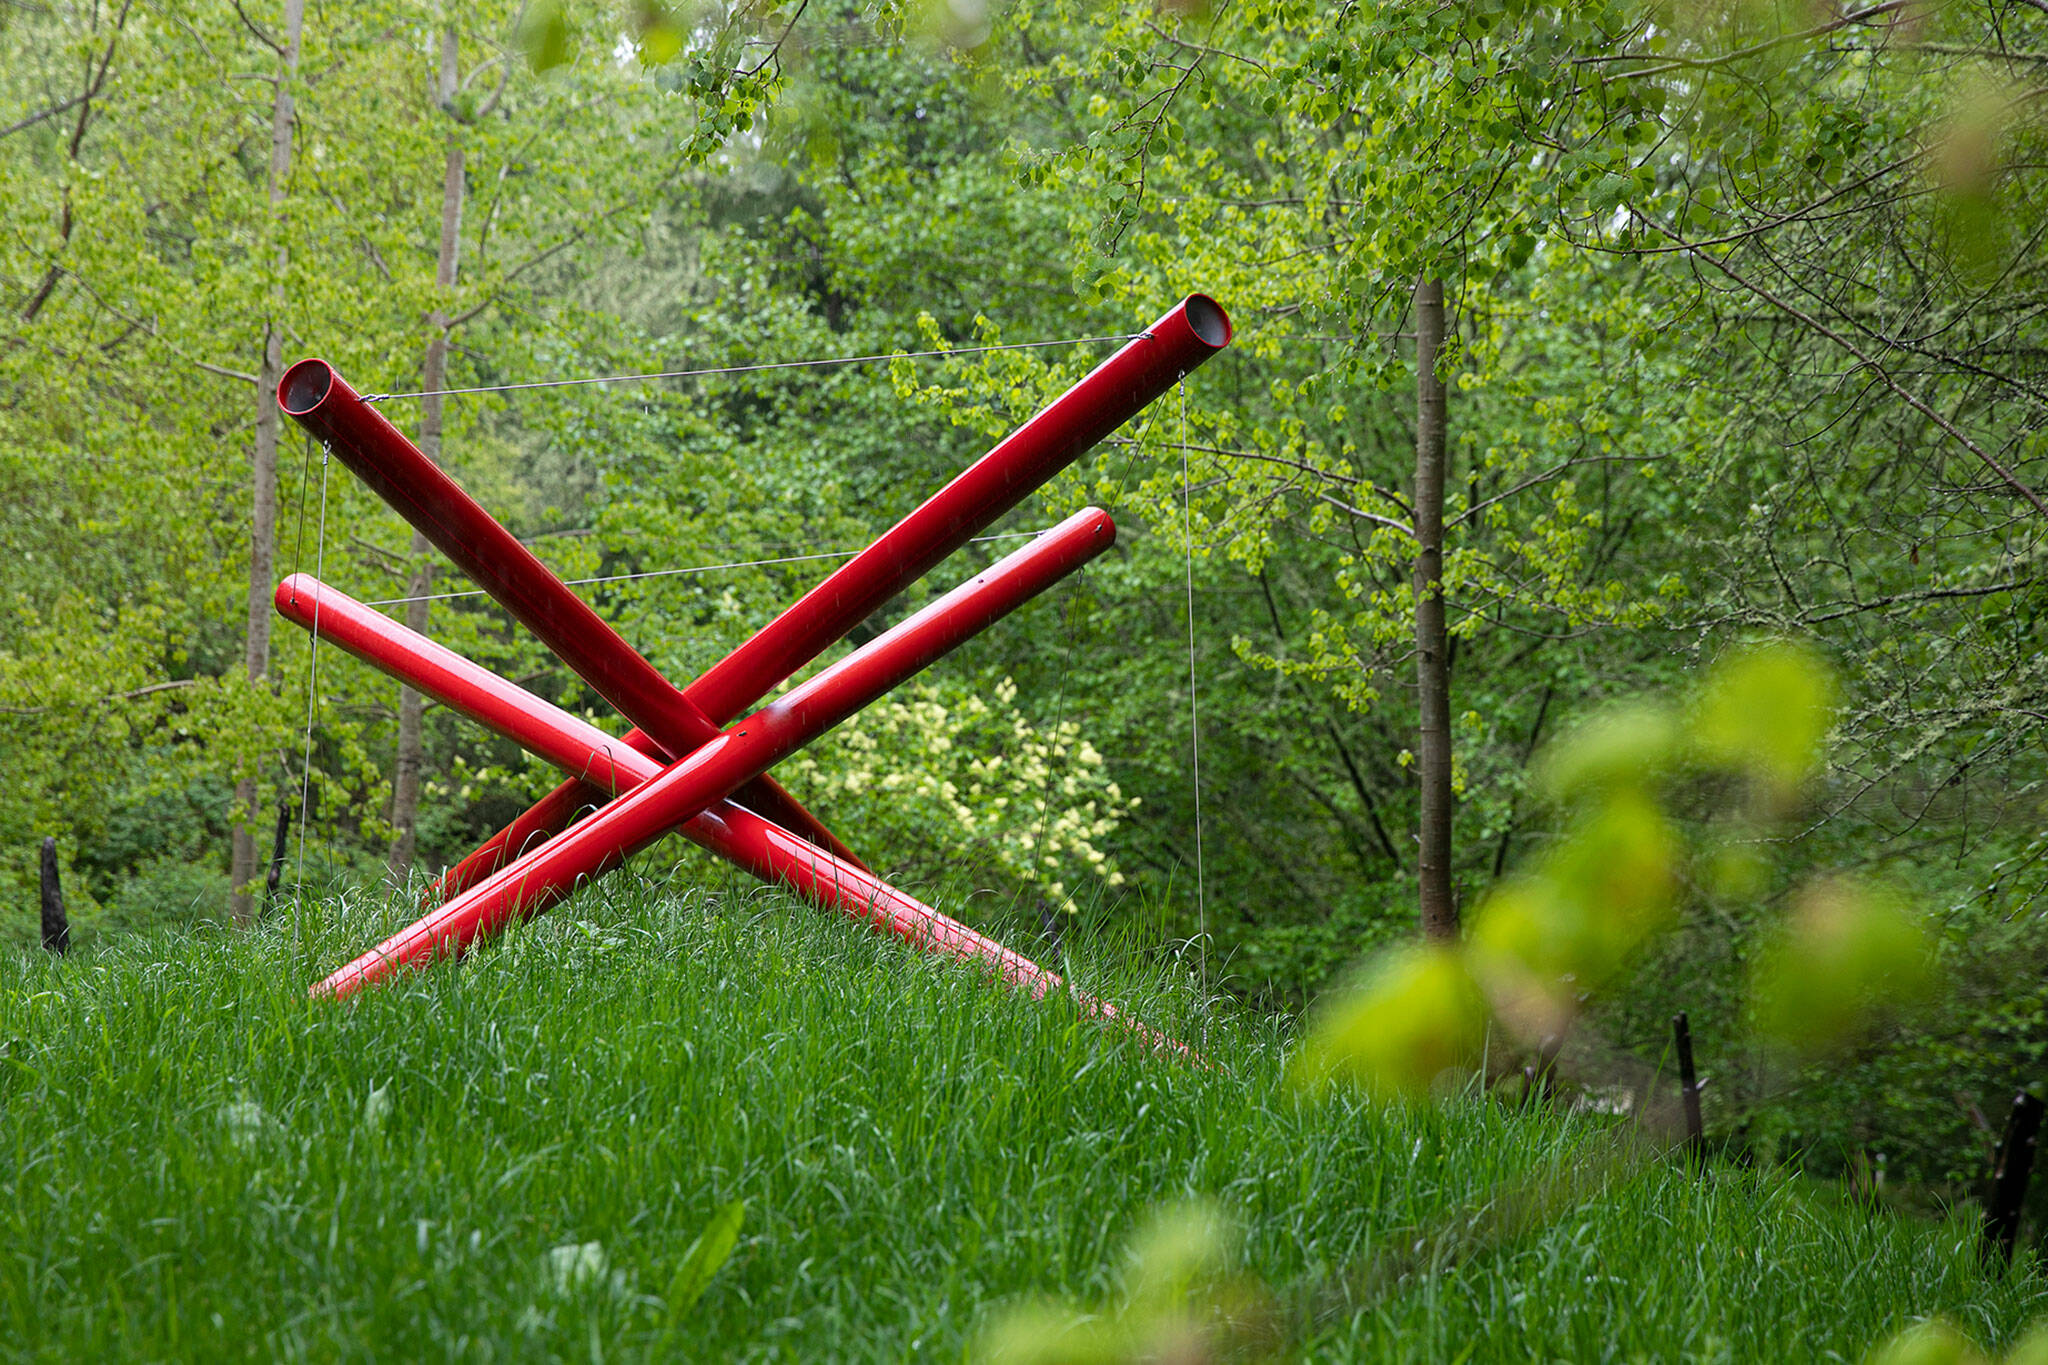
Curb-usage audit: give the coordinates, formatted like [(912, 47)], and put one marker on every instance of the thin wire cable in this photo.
[(700, 568), (1194, 714), (754, 369), (312, 680), (305, 469)]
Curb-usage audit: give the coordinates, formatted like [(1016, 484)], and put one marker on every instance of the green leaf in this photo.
[(1625, 746), (543, 35), (704, 1258), (1926, 1343), (1766, 711), (1416, 1014), (659, 43), (1848, 954)]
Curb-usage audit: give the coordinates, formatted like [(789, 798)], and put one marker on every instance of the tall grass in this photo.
[(198, 1162)]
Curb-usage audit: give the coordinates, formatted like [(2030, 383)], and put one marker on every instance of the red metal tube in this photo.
[(576, 746), (421, 492), (732, 832), (692, 784), (1107, 397)]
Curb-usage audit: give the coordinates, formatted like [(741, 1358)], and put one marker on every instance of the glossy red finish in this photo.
[(422, 493), (572, 744), (693, 784), (1104, 399)]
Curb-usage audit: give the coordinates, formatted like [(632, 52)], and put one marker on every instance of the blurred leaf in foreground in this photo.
[(1926, 1343), (2031, 1349), (1415, 1014), (1967, 161), (1624, 746), (543, 35), (1766, 711), (1847, 955), (1596, 897), (1178, 1303)]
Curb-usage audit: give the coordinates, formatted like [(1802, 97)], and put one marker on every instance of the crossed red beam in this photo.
[(677, 769)]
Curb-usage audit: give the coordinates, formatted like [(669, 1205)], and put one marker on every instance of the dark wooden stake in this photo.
[(56, 928), (284, 824), (1539, 1078), (2009, 1176), (1689, 1089)]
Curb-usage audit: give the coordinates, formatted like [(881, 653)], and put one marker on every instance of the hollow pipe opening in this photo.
[(1209, 321), (305, 386)]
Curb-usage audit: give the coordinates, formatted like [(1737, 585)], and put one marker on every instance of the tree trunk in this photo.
[(405, 782), (263, 474), (1432, 654)]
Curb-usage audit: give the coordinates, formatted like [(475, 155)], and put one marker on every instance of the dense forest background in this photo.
[(1741, 337)]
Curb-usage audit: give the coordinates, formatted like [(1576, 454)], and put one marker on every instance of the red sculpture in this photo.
[(678, 769)]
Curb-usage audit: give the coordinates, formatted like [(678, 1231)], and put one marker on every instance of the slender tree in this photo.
[(263, 465), (1432, 641), (405, 784)]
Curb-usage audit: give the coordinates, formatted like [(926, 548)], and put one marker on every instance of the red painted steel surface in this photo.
[(421, 492), (692, 784), (572, 744), (1107, 397), (1103, 400)]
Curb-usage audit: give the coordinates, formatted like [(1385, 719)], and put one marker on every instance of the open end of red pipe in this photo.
[(305, 386), (1210, 323)]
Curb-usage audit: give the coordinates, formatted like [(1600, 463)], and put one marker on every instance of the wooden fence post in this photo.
[(56, 928), (1689, 1090), (2009, 1176), (284, 824)]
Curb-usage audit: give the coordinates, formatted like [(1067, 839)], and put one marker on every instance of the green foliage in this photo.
[(151, 266), (936, 783), (1546, 941)]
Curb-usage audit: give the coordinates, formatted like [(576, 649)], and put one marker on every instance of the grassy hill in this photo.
[(511, 1158)]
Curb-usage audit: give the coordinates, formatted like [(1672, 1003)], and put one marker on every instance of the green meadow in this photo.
[(513, 1158)]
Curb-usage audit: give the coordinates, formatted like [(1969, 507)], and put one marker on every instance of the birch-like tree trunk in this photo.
[(1432, 652), (405, 784), (263, 473)]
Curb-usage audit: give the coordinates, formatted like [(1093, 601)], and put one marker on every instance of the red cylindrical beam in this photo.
[(465, 687), (692, 784), (732, 832), (1104, 399), (422, 492)]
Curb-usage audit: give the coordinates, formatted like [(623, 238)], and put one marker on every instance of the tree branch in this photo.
[(1905, 395)]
